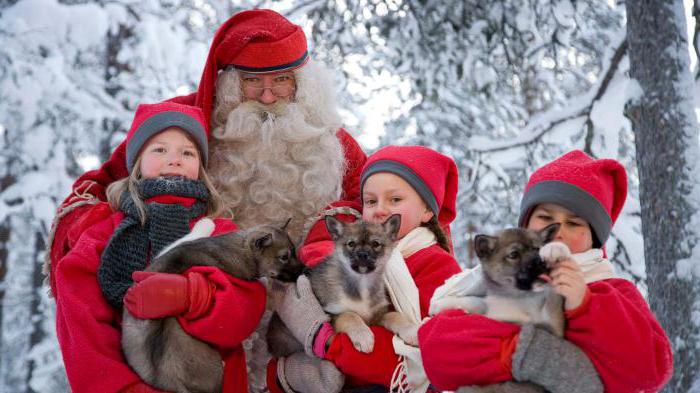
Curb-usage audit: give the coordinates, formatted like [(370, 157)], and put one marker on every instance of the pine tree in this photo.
[(666, 131)]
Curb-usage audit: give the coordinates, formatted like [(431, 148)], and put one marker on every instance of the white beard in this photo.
[(270, 164)]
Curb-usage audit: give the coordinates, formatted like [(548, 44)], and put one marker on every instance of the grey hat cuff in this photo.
[(160, 122), (573, 198), (405, 173)]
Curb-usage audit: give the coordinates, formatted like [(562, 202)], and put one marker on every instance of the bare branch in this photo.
[(538, 131)]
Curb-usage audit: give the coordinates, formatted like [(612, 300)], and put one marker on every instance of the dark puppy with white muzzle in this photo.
[(159, 350)]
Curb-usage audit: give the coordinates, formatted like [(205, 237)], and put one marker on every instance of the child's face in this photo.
[(386, 194), (170, 153), (574, 231)]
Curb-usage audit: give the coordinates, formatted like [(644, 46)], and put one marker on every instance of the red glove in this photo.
[(461, 349), (159, 295)]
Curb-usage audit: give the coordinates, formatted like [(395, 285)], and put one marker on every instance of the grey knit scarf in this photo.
[(132, 245)]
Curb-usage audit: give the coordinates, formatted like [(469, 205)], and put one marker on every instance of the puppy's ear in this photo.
[(548, 233), (262, 241), (335, 227), (392, 225), (484, 245)]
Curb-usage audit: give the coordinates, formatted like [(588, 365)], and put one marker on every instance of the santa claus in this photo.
[(278, 150)]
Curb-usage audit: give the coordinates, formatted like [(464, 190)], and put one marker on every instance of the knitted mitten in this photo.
[(300, 311), (302, 373), (553, 363)]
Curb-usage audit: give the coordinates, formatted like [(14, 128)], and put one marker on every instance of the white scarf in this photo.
[(409, 374), (470, 282)]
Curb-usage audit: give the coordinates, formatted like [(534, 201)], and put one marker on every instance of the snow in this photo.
[(428, 82)]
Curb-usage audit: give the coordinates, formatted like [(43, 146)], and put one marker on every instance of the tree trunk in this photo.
[(666, 136)]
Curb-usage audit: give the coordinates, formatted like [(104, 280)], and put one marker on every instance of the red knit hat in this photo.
[(151, 119), (431, 174), (594, 190), (257, 41)]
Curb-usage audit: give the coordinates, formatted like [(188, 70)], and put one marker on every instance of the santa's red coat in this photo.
[(89, 328), (615, 328)]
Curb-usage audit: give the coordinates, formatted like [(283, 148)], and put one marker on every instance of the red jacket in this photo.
[(614, 327), (79, 211), (89, 329)]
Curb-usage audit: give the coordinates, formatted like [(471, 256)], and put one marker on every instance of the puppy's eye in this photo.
[(283, 258), (351, 244), (513, 255), (376, 245)]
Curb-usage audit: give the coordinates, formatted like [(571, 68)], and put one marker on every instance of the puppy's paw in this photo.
[(362, 339), (409, 335), (554, 252), (437, 306)]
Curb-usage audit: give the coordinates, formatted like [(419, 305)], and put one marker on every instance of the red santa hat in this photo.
[(150, 119), (594, 190), (431, 174), (256, 41)]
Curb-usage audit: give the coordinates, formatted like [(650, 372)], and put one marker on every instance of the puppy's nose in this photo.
[(363, 255)]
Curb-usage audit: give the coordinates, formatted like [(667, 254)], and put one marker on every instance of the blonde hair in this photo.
[(215, 204)]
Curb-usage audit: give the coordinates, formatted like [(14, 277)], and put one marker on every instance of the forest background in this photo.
[(502, 86)]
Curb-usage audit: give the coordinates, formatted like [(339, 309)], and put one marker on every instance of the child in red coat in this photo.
[(420, 185), (606, 316), (166, 193)]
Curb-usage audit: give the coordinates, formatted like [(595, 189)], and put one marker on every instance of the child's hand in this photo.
[(568, 281)]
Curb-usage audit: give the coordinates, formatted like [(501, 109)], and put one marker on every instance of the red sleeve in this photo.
[(361, 368), (460, 349), (318, 244), (429, 267), (88, 328), (87, 191), (237, 307), (623, 339), (354, 159)]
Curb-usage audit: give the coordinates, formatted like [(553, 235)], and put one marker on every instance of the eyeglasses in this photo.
[(282, 86)]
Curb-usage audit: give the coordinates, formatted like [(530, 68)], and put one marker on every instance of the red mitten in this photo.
[(159, 295), (461, 349)]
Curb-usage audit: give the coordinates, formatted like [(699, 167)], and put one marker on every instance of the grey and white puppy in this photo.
[(159, 350), (513, 263), (350, 287)]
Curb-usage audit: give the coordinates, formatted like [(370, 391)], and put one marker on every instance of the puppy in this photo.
[(513, 264), (159, 350), (350, 287)]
